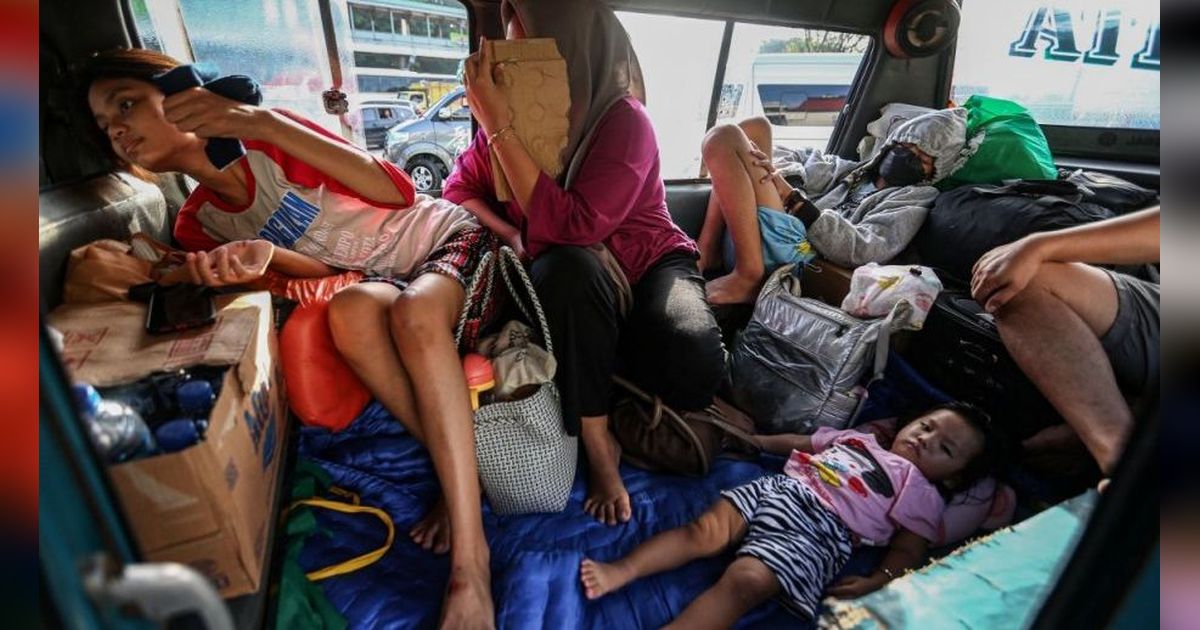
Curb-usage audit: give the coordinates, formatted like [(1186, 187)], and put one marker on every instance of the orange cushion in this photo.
[(322, 389)]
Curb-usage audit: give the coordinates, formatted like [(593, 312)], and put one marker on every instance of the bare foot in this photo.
[(607, 500), (468, 603), (733, 288), (432, 533), (600, 579)]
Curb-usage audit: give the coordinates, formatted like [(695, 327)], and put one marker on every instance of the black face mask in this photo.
[(901, 167)]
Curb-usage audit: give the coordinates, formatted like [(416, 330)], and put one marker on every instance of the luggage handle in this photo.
[(676, 421)]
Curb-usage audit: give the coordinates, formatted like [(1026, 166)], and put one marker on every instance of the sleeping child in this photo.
[(795, 530)]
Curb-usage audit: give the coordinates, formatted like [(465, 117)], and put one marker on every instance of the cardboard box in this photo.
[(208, 506), (826, 281)]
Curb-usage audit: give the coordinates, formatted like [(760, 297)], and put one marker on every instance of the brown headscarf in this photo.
[(601, 65)]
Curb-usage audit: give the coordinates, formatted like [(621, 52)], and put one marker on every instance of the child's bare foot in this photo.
[(733, 288), (432, 533), (468, 602), (600, 579), (607, 499)]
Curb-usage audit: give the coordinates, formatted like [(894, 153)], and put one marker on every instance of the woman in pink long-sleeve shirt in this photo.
[(610, 198)]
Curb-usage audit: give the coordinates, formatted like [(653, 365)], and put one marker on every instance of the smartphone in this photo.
[(180, 307)]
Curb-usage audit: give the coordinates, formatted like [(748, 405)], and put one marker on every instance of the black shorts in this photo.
[(1132, 343)]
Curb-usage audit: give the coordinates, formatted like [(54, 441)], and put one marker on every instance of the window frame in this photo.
[(853, 96)]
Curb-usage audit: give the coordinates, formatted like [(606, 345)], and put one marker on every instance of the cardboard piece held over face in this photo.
[(534, 78)]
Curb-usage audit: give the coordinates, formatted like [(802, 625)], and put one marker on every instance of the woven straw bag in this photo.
[(526, 459)]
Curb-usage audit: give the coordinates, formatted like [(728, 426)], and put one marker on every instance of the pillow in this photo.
[(891, 116), (322, 390)]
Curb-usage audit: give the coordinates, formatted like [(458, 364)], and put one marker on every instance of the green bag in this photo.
[(1014, 147)]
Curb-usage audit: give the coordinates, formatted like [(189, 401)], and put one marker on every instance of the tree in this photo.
[(811, 41)]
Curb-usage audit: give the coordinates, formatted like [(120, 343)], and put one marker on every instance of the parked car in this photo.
[(376, 117), (426, 147)]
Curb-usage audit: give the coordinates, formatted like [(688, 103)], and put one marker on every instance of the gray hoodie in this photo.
[(859, 223)]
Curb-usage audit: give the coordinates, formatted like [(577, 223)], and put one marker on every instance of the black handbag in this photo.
[(960, 352)]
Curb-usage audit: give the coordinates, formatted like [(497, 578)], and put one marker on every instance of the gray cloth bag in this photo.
[(526, 459), (799, 364)]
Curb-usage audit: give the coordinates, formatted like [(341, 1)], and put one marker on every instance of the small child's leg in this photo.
[(745, 584), (712, 533)]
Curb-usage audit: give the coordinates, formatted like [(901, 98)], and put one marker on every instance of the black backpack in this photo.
[(967, 222)]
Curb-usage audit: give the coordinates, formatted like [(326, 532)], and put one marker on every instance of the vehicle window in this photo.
[(677, 94), (391, 49), (457, 108), (278, 43), (797, 78), (1083, 63)]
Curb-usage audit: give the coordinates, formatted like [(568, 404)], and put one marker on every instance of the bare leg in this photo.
[(710, 534), (1052, 330), (359, 322), (607, 499), (739, 191), (711, 232), (422, 320), (745, 584), (758, 130), (359, 318)]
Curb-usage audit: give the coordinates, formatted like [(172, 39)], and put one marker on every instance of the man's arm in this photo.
[(1005, 271), (1125, 240)]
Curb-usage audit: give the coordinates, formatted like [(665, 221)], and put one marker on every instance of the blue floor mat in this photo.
[(535, 558)]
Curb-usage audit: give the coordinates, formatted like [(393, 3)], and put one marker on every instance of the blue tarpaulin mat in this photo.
[(534, 558)]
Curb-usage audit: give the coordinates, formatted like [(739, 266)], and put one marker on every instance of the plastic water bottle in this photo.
[(117, 430)]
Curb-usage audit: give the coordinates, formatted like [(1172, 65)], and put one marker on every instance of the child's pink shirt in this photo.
[(875, 490)]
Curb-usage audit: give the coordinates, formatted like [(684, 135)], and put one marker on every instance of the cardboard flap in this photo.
[(170, 496), (107, 344)]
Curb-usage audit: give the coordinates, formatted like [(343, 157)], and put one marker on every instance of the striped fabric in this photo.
[(798, 538)]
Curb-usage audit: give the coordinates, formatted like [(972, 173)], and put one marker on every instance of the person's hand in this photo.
[(763, 161), (1004, 272), (857, 586), (210, 115), (238, 262), (489, 105), (513, 240)]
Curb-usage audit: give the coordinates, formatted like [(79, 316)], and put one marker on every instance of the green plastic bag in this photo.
[(1014, 147), (302, 604)]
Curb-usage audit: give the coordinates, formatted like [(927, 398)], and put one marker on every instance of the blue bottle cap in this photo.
[(176, 435), (195, 397), (86, 398)]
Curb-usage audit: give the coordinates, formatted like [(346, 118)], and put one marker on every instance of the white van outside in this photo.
[(802, 94)]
